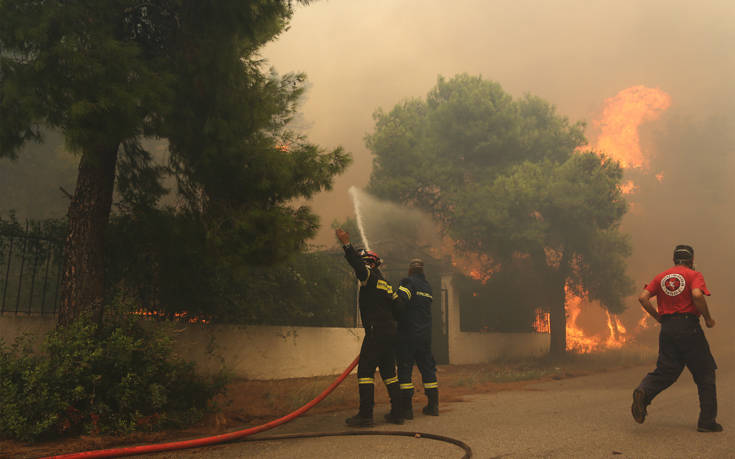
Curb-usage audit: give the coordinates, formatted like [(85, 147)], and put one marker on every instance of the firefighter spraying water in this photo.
[(378, 346)]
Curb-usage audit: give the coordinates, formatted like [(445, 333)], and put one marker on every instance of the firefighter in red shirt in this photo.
[(680, 296)]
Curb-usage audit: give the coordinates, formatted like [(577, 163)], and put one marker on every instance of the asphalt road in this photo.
[(579, 417)]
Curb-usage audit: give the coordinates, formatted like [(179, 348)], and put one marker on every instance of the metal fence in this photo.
[(31, 267)]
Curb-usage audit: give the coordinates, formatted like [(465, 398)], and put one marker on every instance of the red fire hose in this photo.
[(206, 441)]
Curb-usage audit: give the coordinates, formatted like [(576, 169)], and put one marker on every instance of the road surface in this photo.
[(585, 417)]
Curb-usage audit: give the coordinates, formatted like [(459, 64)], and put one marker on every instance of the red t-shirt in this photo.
[(673, 289)]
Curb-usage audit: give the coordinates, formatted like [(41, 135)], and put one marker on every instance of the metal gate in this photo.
[(31, 267)]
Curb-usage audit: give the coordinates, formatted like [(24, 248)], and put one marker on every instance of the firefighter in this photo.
[(412, 306), (378, 346), (680, 296)]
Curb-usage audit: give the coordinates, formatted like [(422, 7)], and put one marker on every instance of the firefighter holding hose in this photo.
[(412, 303), (680, 296), (378, 346)]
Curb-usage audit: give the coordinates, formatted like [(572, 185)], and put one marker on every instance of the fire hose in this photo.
[(241, 434)]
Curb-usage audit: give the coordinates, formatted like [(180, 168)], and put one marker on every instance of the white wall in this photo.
[(479, 347), (264, 352), (267, 352)]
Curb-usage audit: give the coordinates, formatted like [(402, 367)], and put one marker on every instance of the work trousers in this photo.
[(377, 351), (682, 343), (416, 349)]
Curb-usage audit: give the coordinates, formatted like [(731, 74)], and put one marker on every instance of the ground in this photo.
[(249, 403)]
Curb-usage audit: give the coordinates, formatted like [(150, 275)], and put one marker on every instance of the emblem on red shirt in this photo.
[(673, 284)]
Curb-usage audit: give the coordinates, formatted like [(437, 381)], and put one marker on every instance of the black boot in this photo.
[(712, 426), (364, 418), (407, 403), (432, 409), (395, 416), (638, 408)]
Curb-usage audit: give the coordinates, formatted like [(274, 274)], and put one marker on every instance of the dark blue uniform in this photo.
[(378, 346), (413, 309)]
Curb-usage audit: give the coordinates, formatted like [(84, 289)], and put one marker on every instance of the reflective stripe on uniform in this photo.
[(431, 385), (406, 386), (395, 295), (383, 285), (427, 295), (365, 381), (392, 380), (406, 291)]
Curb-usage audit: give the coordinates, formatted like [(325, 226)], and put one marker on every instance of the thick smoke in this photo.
[(574, 53)]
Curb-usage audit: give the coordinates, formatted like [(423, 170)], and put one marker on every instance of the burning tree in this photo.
[(505, 180), (109, 74)]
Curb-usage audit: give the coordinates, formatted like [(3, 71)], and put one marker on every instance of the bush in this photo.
[(114, 379)]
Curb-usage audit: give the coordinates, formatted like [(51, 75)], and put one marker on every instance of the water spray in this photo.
[(358, 215)]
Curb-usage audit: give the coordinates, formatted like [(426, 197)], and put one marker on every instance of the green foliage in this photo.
[(312, 288), (164, 262), (504, 179), (117, 379), (110, 77)]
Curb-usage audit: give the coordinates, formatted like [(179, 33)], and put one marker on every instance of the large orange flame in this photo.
[(578, 341), (621, 117), (618, 138)]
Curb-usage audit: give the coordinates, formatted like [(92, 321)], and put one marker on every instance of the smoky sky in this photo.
[(360, 56)]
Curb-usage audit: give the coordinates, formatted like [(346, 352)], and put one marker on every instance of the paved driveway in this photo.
[(580, 417)]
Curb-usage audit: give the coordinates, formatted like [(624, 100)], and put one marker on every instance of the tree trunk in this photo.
[(558, 319), (83, 281), (558, 316)]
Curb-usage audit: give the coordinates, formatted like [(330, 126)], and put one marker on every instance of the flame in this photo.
[(617, 332), (621, 117), (578, 341), (643, 323), (477, 266), (628, 187), (542, 323), (182, 316)]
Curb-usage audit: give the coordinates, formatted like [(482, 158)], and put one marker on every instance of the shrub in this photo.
[(113, 379)]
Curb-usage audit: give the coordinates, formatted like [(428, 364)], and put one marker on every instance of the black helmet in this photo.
[(683, 253), (369, 257)]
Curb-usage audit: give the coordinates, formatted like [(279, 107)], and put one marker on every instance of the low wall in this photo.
[(265, 352), (268, 352), (254, 352), (13, 326)]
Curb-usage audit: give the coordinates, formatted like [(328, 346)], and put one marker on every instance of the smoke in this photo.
[(574, 53), (397, 233), (691, 204)]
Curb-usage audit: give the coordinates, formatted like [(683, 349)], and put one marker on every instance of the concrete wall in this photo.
[(255, 352), (478, 347), (13, 326), (264, 352)]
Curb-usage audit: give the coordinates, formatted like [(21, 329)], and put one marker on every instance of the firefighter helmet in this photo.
[(369, 257)]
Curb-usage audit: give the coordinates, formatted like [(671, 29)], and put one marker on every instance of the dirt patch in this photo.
[(250, 403)]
